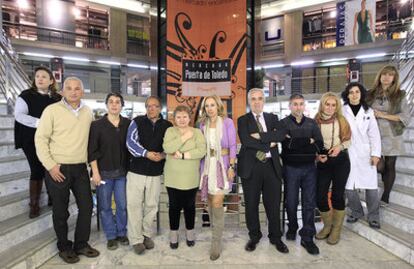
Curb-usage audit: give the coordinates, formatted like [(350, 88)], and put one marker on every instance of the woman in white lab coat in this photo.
[(364, 154)]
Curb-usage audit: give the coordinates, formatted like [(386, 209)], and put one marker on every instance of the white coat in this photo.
[(366, 142)]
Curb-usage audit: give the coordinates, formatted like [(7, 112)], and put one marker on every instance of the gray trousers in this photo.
[(373, 204)]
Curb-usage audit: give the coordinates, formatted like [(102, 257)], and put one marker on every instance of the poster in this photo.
[(355, 22), (206, 54)]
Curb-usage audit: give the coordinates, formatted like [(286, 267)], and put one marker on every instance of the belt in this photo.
[(223, 152)]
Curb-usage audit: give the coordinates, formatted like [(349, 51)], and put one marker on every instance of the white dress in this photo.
[(212, 169)]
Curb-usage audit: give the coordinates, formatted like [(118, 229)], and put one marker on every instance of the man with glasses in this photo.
[(144, 141)]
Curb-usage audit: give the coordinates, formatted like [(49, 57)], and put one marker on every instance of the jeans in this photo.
[(113, 225), (302, 178)]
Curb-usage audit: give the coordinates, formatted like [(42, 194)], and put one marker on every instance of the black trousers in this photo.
[(178, 200), (335, 170), (262, 181), (77, 180), (37, 171)]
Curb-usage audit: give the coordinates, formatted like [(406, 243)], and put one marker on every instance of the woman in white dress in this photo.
[(217, 168)]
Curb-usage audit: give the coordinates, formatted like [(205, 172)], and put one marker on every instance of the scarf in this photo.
[(221, 172), (344, 128)]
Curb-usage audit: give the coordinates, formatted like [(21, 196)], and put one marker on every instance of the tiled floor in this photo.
[(352, 251)]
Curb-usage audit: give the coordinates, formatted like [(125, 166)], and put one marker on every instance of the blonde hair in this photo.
[(220, 108), (324, 99), (393, 92)]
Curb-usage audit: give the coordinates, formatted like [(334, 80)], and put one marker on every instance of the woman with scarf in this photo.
[(333, 166), (217, 168)]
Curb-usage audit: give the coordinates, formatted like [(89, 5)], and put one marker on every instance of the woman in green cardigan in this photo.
[(184, 146)]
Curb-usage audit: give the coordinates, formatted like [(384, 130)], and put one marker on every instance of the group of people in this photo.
[(340, 150)]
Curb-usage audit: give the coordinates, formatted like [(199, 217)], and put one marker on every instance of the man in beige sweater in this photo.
[(61, 144)]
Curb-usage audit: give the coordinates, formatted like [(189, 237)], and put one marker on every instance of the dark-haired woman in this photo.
[(392, 112), (364, 154), (29, 107)]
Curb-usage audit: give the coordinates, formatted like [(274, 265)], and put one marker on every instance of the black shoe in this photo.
[(88, 251), (310, 247), (291, 235), (69, 256), (190, 243), (280, 246), (251, 245), (351, 219), (173, 245), (374, 224), (112, 244), (123, 240)]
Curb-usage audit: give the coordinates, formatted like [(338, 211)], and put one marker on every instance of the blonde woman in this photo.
[(333, 166), (392, 112), (217, 168)]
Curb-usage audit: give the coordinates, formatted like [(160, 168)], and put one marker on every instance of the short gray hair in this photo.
[(253, 90), (73, 78)]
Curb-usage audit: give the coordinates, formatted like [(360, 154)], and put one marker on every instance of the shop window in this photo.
[(138, 35)]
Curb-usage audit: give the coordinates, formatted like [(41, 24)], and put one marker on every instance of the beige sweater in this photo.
[(326, 130), (62, 137)]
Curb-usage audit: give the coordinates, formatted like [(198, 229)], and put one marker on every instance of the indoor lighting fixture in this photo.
[(131, 5), (374, 55), (299, 63), (138, 66), (77, 13), (76, 59), (272, 66), (109, 62), (333, 14), (334, 60), (23, 4), (34, 54)]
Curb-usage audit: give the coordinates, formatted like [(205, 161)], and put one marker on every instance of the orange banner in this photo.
[(206, 53)]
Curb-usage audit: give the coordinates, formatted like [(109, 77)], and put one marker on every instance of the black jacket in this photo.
[(276, 132), (151, 137), (107, 145), (297, 149)]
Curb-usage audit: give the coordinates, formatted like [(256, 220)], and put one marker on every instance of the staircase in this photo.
[(397, 220)]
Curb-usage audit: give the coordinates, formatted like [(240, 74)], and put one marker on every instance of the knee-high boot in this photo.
[(35, 188), (217, 232), (337, 221), (327, 225)]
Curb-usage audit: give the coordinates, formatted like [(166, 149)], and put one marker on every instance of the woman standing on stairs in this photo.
[(333, 166), (29, 107), (217, 168), (392, 113), (364, 153)]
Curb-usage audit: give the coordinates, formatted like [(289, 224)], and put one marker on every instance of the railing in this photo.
[(53, 35), (13, 79), (403, 59)]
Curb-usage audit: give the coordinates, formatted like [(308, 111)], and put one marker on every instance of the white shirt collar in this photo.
[(75, 110)]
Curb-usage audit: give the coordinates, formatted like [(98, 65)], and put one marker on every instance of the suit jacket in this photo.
[(276, 132)]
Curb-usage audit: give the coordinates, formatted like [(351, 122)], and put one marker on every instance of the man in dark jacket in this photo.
[(144, 142), (302, 143), (260, 170)]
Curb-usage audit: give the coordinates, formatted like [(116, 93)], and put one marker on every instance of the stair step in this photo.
[(13, 164), (408, 133), (405, 161), (401, 195), (409, 145), (18, 203), (3, 109), (395, 215), (388, 237), (8, 149), (7, 134), (13, 183), (405, 177), (6, 121), (17, 229)]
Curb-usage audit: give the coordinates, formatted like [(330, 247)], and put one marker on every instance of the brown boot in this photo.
[(35, 189), (337, 221), (327, 225)]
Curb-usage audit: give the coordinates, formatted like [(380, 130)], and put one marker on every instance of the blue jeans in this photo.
[(301, 177), (113, 225)]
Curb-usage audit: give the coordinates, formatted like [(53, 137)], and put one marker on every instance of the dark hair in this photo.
[(296, 96), (152, 97), (109, 95), (361, 88), (53, 87)]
